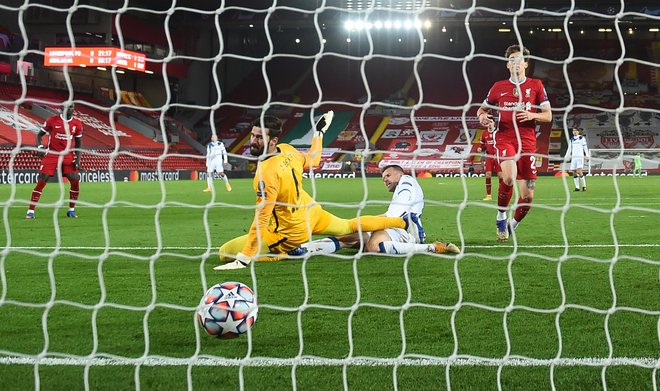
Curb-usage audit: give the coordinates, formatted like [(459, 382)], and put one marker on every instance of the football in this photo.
[(227, 310)]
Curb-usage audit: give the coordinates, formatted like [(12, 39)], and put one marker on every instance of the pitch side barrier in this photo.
[(30, 176)]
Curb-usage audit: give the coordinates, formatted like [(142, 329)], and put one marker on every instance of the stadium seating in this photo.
[(103, 160), (101, 137)]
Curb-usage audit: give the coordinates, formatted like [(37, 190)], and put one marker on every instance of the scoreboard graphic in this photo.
[(94, 56)]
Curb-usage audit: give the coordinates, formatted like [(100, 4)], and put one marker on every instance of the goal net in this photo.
[(110, 299)]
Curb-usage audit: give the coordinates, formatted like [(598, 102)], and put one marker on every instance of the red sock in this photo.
[(36, 194), (73, 193), (504, 193), (524, 205), (488, 185)]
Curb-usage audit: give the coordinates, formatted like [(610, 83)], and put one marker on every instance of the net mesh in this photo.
[(365, 64)]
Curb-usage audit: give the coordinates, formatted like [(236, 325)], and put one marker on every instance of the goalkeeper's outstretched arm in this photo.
[(313, 157)]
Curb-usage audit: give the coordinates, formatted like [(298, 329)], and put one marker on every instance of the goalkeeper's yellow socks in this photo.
[(376, 223)]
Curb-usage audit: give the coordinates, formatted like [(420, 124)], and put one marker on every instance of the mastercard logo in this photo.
[(194, 175), (134, 176)]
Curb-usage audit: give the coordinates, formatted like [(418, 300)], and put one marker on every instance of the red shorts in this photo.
[(51, 163), (526, 163), (526, 166), (492, 165)]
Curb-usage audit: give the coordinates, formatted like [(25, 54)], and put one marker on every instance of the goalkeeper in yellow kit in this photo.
[(286, 216)]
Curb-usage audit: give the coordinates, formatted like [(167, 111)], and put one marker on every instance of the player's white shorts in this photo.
[(215, 165), (400, 235), (577, 163)]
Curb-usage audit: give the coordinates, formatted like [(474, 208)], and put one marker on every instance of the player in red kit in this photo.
[(64, 134), (486, 144), (521, 102)]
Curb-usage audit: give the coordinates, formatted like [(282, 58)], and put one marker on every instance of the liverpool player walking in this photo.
[(521, 102)]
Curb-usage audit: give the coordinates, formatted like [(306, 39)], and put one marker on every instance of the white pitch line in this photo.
[(570, 245), (165, 248), (647, 362), (558, 202)]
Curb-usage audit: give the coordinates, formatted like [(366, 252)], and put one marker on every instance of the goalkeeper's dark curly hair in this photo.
[(272, 123)]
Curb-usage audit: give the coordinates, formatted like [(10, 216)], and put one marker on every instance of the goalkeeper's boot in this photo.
[(72, 214), (29, 216), (488, 198), (207, 190), (228, 186), (502, 231), (445, 248), (414, 227)]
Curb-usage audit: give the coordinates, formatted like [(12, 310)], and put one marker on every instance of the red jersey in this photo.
[(487, 142), (528, 97), (61, 134)]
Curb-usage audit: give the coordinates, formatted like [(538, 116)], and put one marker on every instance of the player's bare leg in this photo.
[(381, 242), (504, 193)]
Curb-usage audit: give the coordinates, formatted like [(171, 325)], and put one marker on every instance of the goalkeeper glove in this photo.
[(240, 262), (324, 123)]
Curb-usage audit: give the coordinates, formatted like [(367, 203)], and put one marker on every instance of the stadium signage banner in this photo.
[(447, 118), (432, 165), (323, 174), (332, 166), (18, 177), (95, 176)]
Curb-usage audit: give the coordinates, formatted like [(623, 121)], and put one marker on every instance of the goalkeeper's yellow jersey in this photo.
[(282, 203)]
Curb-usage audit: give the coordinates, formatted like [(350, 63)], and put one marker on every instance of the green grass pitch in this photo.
[(581, 281)]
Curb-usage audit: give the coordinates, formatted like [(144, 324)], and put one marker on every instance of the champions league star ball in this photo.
[(227, 310)]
